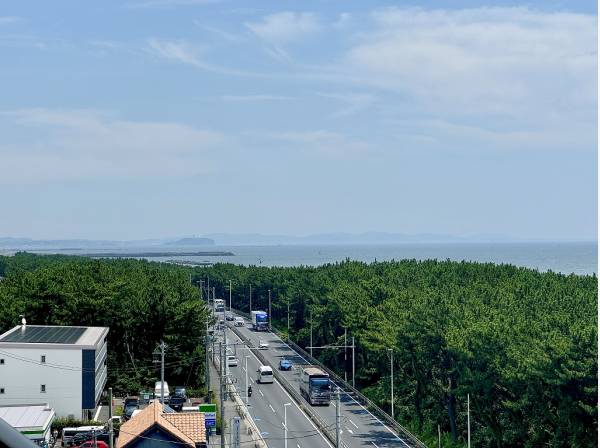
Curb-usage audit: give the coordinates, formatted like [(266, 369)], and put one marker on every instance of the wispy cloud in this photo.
[(8, 19), (84, 144), (284, 27), (326, 142), (251, 98), (222, 34), (186, 53)]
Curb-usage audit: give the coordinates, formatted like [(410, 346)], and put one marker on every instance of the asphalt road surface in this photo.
[(360, 428)]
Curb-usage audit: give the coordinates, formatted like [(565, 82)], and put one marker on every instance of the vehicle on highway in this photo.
[(69, 433), (157, 389), (260, 321), (232, 361), (285, 364), (264, 374), (315, 386), (239, 322), (229, 317), (129, 405), (262, 344), (219, 305)]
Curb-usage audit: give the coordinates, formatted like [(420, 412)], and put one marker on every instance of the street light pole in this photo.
[(250, 299), (468, 421), (270, 328), (337, 417), (222, 349), (345, 354), (353, 362), (285, 429), (392, 377), (230, 296), (311, 339), (288, 319)]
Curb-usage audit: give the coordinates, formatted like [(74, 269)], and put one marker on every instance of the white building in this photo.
[(62, 366), (33, 421)]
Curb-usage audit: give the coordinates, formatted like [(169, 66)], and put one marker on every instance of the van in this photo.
[(264, 374), (157, 390), (69, 433)]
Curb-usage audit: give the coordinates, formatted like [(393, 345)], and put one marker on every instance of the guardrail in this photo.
[(326, 429), (349, 389)]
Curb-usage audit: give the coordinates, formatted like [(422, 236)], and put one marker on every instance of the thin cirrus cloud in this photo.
[(323, 142), (252, 98), (87, 144), (284, 27)]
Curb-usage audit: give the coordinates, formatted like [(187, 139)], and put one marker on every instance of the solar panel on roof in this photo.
[(53, 335)]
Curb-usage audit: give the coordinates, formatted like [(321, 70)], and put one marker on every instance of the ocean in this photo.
[(578, 258)]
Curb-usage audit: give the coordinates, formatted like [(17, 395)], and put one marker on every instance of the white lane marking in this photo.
[(296, 404), (374, 444), (355, 425), (261, 392), (272, 408), (97, 413), (347, 394), (298, 445)]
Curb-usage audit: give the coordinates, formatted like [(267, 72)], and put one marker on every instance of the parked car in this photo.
[(232, 361), (129, 405), (79, 439), (285, 364), (92, 444), (229, 317), (180, 392), (176, 403), (262, 344)]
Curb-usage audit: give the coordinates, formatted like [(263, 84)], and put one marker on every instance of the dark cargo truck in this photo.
[(315, 386)]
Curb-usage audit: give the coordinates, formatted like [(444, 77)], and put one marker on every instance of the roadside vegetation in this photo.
[(141, 302), (522, 344)]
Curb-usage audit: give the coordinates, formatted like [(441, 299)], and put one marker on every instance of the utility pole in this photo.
[(285, 429), (270, 329), (250, 299), (207, 366), (162, 372), (468, 422), (222, 387), (439, 437), (345, 354), (230, 296), (337, 417), (311, 340), (110, 420), (201, 288), (392, 377), (288, 319), (353, 362)]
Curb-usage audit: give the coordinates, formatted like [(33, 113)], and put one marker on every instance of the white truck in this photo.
[(260, 321)]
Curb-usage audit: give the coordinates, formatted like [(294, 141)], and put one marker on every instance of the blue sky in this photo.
[(156, 118)]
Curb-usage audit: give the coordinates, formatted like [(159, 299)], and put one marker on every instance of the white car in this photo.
[(238, 322), (263, 345), (232, 361)]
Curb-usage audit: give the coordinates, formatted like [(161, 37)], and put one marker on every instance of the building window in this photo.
[(43, 358), (1, 390), (43, 388)]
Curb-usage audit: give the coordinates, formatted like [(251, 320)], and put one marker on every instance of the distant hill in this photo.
[(191, 242)]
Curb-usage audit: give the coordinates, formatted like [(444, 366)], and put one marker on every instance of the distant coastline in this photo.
[(155, 254)]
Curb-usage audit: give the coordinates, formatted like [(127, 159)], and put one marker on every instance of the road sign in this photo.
[(235, 432), (210, 414)]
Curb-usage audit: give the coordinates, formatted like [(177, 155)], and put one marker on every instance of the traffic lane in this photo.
[(363, 426), (270, 399)]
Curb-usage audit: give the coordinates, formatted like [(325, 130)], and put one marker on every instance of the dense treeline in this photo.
[(522, 344), (141, 302)]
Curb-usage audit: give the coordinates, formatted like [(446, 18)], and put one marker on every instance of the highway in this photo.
[(267, 404), (359, 427)]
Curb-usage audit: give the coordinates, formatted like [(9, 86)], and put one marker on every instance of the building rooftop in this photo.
[(187, 427), (27, 416), (52, 334)]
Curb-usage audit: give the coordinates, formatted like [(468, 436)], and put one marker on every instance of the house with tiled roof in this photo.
[(152, 427)]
